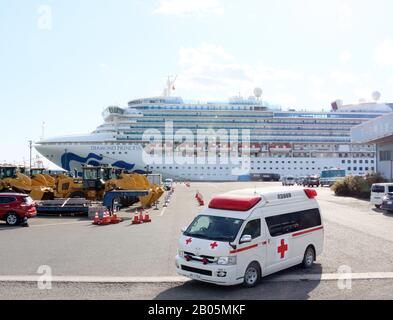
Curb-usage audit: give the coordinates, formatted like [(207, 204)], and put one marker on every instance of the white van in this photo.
[(248, 234), (378, 192)]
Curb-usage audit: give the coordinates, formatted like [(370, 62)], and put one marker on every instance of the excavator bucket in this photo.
[(143, 183), (42, 193), (158, 192), (50, 181)]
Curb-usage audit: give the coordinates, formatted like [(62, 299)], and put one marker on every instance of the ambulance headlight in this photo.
[(226, 260), (181, 253)]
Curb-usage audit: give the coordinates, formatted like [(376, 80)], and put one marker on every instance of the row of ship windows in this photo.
[(255, 133), (275, 115), (356, 161), (260, 168), (231, 123), (307, 162), (268, 139)]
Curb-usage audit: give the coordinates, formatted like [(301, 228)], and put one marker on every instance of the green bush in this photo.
[(340, 188), (354, 186), (375, 178)]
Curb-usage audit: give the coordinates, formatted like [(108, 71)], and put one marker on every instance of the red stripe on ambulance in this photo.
[(307, 231), (244, 249)]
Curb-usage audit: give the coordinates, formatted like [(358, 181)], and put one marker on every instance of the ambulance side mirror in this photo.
[(244, 239), (183, 229)]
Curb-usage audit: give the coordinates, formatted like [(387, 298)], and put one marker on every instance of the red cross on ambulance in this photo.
[(213, 245), (282, 248)]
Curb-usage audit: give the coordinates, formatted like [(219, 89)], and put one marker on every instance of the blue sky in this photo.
[(62, 62)]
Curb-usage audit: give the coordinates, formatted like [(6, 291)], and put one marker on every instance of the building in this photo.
[(380, 132)]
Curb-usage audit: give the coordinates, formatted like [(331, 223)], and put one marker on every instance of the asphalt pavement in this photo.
[(358, 239)]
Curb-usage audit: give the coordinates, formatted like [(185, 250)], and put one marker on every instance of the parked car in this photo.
[(311, 181), (387, 203), (378, 192), (168, 184), (288, 181), (299, 180), (15, 207)]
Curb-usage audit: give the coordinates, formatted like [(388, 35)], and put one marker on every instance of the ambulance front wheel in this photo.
[(309, 257), (252, 275)]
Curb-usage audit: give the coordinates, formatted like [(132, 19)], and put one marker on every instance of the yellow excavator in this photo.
[(12, 179)]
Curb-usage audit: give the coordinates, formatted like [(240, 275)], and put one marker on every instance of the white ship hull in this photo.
[(130, 157)]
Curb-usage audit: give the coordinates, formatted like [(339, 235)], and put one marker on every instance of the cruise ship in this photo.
[(242, 139)]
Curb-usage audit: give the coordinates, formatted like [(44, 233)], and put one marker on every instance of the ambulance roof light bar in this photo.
[(234, 202), (311, 193)]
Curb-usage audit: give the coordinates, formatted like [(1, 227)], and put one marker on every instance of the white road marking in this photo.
[(58, 224), (333, 276), (162, 212), (179, 279), (96, 279)]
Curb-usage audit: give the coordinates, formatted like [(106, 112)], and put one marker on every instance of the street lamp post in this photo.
[(30, 147)]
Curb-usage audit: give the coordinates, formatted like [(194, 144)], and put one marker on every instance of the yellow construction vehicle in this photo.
[(96, 180), (39, 177), (91, 186), (119, 180), (14, 180), (124, 181), (155, 190)]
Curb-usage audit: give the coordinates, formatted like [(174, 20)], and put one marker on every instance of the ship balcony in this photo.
[(280, 150), (250, 148)]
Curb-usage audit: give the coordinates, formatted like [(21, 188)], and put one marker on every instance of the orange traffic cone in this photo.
[(115, 219), (146, 218), (97, 219), (136, 219), (106, 219), (200, 200)]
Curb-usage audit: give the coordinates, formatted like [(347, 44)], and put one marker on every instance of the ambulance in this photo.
[(245, 235)]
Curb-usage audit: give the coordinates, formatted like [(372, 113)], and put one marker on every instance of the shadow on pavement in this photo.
[(384, 212), (4, 226), (269, 289), (44, 219), (388, 214)]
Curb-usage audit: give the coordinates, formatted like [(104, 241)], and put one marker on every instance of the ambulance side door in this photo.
[(279, 243), (254, 250)]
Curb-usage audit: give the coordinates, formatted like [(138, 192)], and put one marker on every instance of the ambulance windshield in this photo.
[(214, 228)]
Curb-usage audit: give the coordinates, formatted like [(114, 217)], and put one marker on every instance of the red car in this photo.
[(14, 207)]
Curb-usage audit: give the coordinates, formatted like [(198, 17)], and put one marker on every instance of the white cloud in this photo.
[(345, 56), (204, 54), (211, 71), (344, 78), (384, 54), (189, 7)]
